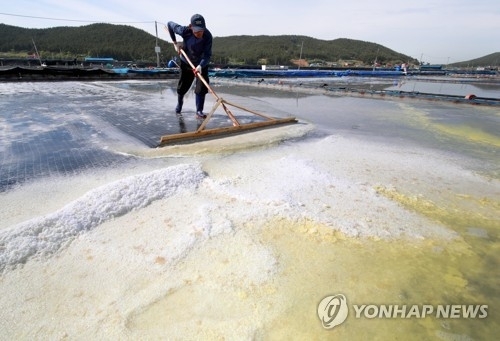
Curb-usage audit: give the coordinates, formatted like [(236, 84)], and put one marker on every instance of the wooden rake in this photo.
[(237, 127)]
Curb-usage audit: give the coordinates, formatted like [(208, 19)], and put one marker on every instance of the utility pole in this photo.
[(36, 51), (157, 48), (300, 57)]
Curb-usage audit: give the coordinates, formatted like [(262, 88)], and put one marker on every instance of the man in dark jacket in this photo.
[(197, 43)]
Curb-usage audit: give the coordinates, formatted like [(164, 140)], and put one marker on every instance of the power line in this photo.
[(75, 20)]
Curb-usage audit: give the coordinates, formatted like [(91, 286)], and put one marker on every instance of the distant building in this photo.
[(431, 67), (99, 60), (274, 67)]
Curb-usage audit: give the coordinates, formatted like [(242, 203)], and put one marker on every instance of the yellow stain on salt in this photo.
[(314, 261), (319, 261), (482, 212), (472, 272), (460, 131), (467, 132)]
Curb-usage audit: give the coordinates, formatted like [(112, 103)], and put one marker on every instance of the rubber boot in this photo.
[(180, 101), (200, 103)]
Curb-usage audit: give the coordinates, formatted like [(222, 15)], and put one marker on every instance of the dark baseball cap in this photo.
[(198, 23)]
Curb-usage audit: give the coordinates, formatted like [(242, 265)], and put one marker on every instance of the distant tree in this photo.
[(128, 43)]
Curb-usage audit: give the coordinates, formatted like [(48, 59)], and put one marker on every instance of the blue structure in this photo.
[(99, 60)]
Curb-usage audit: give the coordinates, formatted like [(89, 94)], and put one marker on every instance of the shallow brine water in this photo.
[(391, 203)]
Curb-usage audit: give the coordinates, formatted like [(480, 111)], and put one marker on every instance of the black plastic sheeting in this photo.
[(64, 73)]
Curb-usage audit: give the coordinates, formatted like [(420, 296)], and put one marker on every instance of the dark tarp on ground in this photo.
[(48, 73), (64, 73)]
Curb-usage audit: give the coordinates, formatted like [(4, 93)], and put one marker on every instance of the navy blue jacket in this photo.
[(198, 50)]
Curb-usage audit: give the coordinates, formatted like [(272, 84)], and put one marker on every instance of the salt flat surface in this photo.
[(176, 234), (242, 237)]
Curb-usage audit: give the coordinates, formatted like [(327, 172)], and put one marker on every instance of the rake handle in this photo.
[(219, 100), (200, 77), (194, 67)]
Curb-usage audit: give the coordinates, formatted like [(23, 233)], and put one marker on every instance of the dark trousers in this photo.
[(186, 78)]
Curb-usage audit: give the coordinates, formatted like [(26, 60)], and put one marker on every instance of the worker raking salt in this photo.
[(197, 43)]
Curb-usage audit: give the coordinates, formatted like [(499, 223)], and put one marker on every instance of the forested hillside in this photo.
[(121, 42), (491, 60), (282, 49), (124, 42), (127, 43)]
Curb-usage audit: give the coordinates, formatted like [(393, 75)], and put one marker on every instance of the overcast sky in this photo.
[(435, 31)]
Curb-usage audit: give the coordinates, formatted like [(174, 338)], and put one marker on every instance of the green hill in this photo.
[(491, 60), (121, 42), (127, 43), (282, 49)]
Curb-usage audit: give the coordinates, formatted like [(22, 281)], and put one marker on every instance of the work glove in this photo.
[(178, 47), (197, 69)]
